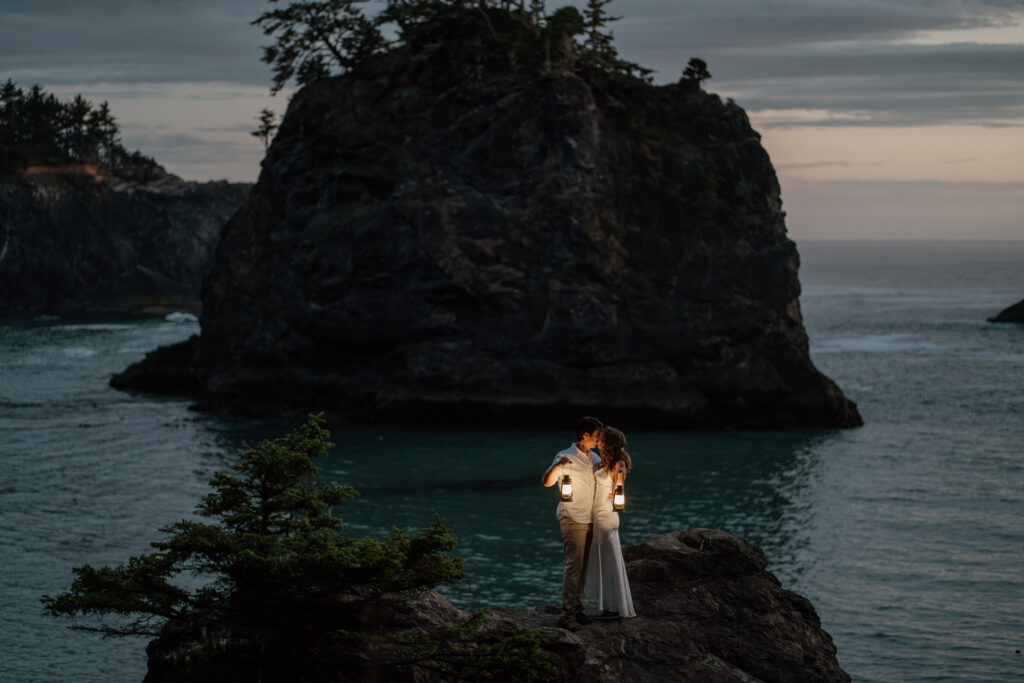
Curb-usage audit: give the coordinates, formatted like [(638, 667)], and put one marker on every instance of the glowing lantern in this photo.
[(619, 500), (566, 487)]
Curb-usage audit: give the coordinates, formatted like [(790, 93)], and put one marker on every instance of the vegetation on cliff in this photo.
[(38, 128), (317, 39), (287, 596)]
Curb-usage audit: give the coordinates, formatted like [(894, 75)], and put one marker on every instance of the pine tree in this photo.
[(43, 122), (696, 71), (10, 102), (77, 143), (37, 128), (597, 43), (314, 36), (268, 125), (282, 582), (103, 131)]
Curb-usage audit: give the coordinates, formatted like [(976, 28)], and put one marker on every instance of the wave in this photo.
[(94, 327), (876, 343), (180, 317)]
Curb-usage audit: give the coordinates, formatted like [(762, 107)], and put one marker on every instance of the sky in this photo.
[(885, 119)]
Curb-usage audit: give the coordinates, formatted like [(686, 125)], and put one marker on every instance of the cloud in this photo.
[(853, 59), (232, 128), (729, 24), (176, 140), (192, 66), (823, 164), (880, 85), (906, 210), (71, 41), (64, 41)]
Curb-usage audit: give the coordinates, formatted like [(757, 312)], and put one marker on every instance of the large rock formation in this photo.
[(707, 611), (1011, 314), (77, 238), (426, 246)]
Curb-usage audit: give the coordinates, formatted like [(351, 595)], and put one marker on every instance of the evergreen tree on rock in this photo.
[(287, 596)]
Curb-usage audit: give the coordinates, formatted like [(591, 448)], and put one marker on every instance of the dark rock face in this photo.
[(77, 239), (1013, 314), (707, 611), (421, 247), (167, 370)]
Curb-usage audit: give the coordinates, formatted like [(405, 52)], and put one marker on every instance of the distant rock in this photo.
[(77, 238), (1013, 314), (423, 246), (707, 611), (167, 370)]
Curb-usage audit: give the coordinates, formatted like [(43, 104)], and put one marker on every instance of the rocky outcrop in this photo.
[(166, 370), (423, 246), (77, 238), (1013, 314), (707, 611)]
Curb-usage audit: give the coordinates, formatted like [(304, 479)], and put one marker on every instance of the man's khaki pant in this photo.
[(576, 541)]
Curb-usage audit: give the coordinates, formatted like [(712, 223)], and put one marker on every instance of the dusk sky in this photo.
[(884, 118)]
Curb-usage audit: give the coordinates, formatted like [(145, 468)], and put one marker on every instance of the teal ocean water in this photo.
[(906, 534)]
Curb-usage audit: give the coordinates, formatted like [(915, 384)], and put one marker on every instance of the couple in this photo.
[(590, 527)]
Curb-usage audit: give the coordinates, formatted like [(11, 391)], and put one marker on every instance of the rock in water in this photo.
[(77, 238), (167, 370), (422, 246), (1013, 314)]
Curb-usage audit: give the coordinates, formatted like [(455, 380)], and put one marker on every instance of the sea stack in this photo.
[(1012, 314), (512, 244)]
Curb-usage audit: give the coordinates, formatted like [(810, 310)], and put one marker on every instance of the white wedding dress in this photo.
[(607, 584)]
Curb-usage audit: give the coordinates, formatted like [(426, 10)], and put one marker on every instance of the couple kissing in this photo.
[(594, 568)]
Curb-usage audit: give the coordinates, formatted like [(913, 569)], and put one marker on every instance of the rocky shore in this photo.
[(78, 239), (708, 612), (522, 248)]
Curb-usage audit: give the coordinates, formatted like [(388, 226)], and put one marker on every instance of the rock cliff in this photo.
[(77, 238), (426, 246), (707, 611), (1011, 314)]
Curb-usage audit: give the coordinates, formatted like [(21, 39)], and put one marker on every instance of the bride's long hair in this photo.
[(613, 449)]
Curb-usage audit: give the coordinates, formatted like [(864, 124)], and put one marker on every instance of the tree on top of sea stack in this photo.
[(315, 39), (695, 73), (313, 36)]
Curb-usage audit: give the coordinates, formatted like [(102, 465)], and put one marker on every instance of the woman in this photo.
[(606, 572)]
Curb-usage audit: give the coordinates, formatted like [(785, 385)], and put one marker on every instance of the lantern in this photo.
[(566, 488), (619, 500)]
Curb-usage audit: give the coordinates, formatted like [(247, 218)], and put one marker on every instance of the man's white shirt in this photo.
[(581, 468)]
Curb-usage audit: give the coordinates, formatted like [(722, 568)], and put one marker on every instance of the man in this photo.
[(576, 516)]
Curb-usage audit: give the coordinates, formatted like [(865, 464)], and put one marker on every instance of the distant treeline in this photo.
[(38, 128)]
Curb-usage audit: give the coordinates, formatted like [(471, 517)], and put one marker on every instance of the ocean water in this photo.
[(906, 534)]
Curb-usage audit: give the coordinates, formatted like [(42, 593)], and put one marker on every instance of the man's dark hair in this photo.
[(586, 425)]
